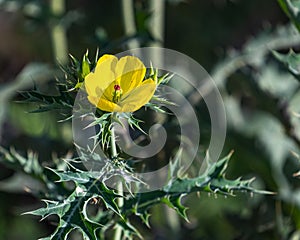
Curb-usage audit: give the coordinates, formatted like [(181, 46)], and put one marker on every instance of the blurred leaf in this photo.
[(48, 102), (33, 72), (29, 164), (291, 61), (292, 10), (264, 127), (275, 82), (255, 51), (175, 2), (20, 183)]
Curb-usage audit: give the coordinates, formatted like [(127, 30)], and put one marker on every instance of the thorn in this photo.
[(296, 114), (251, 180), (94, 201), (297, 174), (296, 155), (27, 189), (230, 153)]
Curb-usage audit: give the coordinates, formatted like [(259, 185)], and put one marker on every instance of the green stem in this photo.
[(114, 152), (156, 27), (129, 22), (58, 32), (120, 200)]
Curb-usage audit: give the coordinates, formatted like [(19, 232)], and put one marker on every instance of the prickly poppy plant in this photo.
[(117, 88)]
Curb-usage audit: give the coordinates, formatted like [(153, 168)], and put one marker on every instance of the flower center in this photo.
[(117, 93), (117, 87)]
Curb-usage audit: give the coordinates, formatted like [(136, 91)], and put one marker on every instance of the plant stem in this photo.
[(113, 143), (157, 20), (156, 27), (58, 32), (129, 22), (120, 200)]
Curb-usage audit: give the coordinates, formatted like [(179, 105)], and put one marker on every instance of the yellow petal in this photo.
[(106, 57), (109, 91), (96, 82), (130, 72), (138, 97), (93, 100), (104, 104)]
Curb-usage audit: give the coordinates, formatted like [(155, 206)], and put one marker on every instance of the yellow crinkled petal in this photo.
[(106, 57), (93, 100), (96, 82), (138, 97), (130, 72), (108, 106)]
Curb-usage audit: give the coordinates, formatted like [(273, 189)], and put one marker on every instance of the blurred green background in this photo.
[(230, 39)]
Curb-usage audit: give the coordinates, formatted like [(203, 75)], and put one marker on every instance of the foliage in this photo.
[(90, 189), (90, 186), (261, 94), (260, 85)]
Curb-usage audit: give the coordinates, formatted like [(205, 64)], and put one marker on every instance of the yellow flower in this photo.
[(118, 86)]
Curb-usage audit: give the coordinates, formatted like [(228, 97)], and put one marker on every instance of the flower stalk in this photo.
[(114, 152), (129, 23), (114, 155), (58, 32)]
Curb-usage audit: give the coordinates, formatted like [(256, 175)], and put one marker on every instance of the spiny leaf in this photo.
[(76, 177), (72, 215), (175, 203), (128, 230), (292, 9), (46, 102), (29, 164), (218, 169), (52, 207), (92, 186), (213, 180), (78, 70), (72, 211), (133, 122), (108, 196), (165, 78), (75, 62), (157, 103), (174, 164), (143, 215), (290, 61), (85, 65)]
